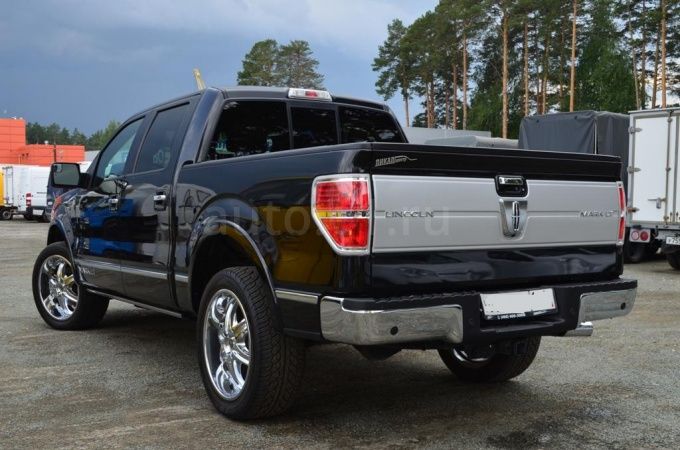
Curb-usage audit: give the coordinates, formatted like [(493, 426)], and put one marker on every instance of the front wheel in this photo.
[(6, 214), (60, 301), (488, 365), (249, 368)]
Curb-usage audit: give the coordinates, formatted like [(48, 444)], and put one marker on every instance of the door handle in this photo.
[(658, 201), (113, 202), (159, 201)]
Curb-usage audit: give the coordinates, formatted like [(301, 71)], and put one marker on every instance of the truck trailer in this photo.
[(24, 191), (653, 204)]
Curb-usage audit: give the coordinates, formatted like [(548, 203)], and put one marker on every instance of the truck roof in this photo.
[(266, 92), (282, 92)]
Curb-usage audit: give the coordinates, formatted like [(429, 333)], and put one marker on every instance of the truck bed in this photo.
[(456, 185)]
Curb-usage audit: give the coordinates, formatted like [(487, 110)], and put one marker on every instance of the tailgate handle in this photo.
[(511, 186)]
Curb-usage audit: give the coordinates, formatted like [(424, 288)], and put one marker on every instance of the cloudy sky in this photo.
[(81, 63)]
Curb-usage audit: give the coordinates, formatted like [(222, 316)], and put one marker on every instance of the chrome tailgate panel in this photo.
[(422, 213)]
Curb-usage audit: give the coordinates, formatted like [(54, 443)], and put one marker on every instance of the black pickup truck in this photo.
[(278, 217)]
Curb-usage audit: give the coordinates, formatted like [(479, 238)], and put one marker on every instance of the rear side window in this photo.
[(156, 152), (249, 128), (313, 127), (366, 125)]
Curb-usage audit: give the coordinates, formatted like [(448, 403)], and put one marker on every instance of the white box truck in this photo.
[(34, 189), (653, 199), (25, 191)]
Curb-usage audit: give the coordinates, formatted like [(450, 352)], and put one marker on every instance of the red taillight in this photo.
[(644, 236), (29, 200), (341, 207), (348, 233), (622, 211), (351, 195)]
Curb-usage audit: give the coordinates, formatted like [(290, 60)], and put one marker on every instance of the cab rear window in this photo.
[(250, 127), (367, 125)]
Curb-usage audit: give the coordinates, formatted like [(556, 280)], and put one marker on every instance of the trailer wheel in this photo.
[(28, 216), (674, 260), (489, 367), (652, 248), (634, 252), (6, 214)]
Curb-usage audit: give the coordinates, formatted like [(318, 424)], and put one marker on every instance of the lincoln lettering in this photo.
[(397, 214)]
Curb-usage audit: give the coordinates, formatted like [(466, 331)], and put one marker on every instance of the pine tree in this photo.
[(393, 65), (259, 65), (296, 66), (604, 73)]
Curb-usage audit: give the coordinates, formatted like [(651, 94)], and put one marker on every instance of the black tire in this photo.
[(651, 249), (6, 214), (674, 260), (44, 217), (635, 252), (496, 368), (28, 217), (276, 361), (90, 308)]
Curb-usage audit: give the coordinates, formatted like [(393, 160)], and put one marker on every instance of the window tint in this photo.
[(115, 155), (366, 125), (156, 152), (250, 127), (313, 127)]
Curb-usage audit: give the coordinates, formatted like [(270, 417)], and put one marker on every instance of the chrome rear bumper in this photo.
[(446, 323), (390, 326), (599, 306)]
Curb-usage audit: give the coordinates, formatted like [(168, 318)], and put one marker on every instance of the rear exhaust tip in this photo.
[(585, 329)]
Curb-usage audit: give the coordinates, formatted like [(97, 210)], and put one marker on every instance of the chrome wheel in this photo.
[(226, 344), (58, 290)]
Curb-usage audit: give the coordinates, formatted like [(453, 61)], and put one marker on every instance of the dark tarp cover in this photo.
[(599, 132)]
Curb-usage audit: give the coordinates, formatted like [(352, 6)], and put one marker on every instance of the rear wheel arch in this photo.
[(219, 251)]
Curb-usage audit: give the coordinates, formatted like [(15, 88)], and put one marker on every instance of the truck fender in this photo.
[(237, 236), (58, 231)]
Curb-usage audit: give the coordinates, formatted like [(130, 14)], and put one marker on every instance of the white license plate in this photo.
[(673, 240), (511, 305)]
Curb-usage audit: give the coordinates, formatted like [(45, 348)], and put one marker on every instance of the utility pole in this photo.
[(54, 149)]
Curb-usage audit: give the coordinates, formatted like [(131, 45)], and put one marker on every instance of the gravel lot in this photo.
[(134, 382)]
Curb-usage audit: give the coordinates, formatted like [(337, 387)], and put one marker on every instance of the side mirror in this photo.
[(65, 175)]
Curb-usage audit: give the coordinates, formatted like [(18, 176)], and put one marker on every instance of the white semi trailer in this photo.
[(653, 180)]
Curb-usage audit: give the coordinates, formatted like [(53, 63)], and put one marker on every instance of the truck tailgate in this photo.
[(440, 213), (413, 213)]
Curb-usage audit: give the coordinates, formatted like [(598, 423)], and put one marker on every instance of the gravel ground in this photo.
[(134, 382)]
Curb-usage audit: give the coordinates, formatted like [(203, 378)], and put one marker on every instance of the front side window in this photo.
[(313, 127), (249, 128), (156, 152), (115, 155), (366, 125)]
